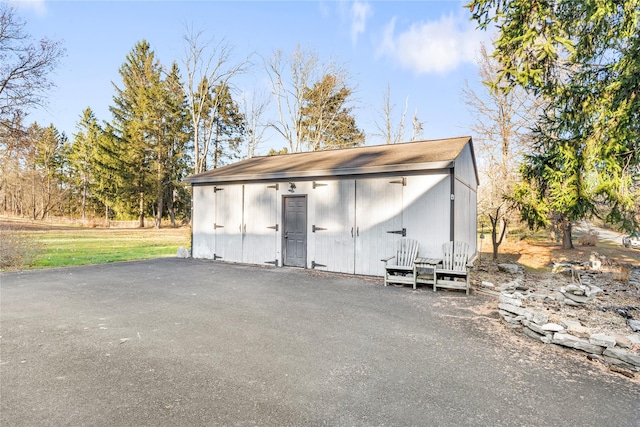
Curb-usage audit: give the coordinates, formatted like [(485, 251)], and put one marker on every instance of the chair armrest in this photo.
[(386, 260)]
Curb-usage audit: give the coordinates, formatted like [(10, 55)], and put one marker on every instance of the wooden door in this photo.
[(259, 230), (228, 225), (334, 236), (378, 222), (295, 231), (204, 212)]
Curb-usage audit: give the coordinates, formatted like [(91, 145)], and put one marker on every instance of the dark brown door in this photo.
[(295, 231)]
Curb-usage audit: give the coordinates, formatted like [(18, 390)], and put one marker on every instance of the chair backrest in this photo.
[(407, 252), (455, 255)]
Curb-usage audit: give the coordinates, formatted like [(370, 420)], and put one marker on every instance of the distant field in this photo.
[(68, 245)]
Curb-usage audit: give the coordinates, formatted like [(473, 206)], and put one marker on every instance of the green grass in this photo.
[(80, 246)]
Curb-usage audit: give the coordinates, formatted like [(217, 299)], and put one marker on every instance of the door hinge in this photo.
[(215, 257), (318, 184), (274, 186), (402, 181), (216, 189), (315, 264), (275, 262), (403, 232), (216, 226), (273, 227), (314, 228)]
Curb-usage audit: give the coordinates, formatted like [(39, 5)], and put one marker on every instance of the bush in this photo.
[(17, 248), (589, 239)]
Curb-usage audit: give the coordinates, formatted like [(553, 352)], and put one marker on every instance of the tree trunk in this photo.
[(141, 216), (567, 242), (160, 203), (84, 197)]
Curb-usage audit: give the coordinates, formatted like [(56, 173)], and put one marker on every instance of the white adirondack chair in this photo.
[(454, 271), (399, 267)]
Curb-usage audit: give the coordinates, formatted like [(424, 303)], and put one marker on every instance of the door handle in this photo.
[(351, 231), (286, 234), (357, 231)]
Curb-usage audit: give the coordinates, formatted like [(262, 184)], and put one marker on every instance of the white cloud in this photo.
[(433, 46), (360, 12), (36, 6)]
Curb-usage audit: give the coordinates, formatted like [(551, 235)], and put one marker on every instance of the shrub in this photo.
[(17, 248), (589, 239)]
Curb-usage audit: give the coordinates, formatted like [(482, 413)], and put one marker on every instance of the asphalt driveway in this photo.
[(192, 342)]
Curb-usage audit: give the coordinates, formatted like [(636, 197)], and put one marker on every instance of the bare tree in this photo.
[(253, 108), (24, 66), (417, 127), (501, 128), (391, 132), (296, 83), (208, 65)]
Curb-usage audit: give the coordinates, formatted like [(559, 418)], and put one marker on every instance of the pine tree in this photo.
[(137, 116)]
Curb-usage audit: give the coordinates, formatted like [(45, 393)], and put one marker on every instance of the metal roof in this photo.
[(404, 157)]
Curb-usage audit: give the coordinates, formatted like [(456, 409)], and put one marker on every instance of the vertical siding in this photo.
[(258, 239), (427, 211), (378, 211), (334, 211), (229, 222), (203, 245), (466, 216), (465, 168)]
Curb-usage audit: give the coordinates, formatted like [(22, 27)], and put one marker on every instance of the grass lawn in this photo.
[(68, 245)]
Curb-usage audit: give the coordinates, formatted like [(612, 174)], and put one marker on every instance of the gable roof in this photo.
[(405, 157)]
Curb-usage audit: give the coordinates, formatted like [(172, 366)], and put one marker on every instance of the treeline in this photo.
[(163, 128)]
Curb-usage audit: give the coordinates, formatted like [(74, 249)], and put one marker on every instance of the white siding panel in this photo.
[(378, 211), (334, 211), (464, 167), (466, 216), (229, 223), (427, 212), (203, 245), (259, 241)]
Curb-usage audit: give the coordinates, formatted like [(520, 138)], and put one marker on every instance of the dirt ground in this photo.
[(538, 259)]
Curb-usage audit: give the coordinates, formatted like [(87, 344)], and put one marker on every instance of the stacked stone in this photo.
[(619, 352), (576, 295), (634, 278)]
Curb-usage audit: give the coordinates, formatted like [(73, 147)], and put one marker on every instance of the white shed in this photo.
[(338, 210)]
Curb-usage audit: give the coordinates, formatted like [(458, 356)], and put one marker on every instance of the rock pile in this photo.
[(620, 353)]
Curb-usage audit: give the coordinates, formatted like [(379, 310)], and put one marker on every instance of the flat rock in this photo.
[(602, 339), (581, 299), (634, 338), (622, 341), (487, 284), (509, 300), (509, 268), (532, 334), (515, 310), (624, 355), (579, 331), (634, 325), (536, 328), (571, 302), (571, 341), (552, 327), (540, 318)]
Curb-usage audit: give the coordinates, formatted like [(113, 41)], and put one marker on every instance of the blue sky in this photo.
[(423, 50)]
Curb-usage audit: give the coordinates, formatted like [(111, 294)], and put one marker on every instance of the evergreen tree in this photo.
[(327, 120), (82, 156), (584, 58), (137, 116)]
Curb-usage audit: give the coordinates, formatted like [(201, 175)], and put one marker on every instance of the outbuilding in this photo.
[(337, 210)]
